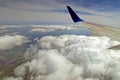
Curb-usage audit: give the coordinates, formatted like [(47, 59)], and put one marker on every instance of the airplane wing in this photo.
[(111, 32)]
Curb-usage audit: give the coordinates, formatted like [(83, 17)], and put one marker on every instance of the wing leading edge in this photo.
[(111, 32)]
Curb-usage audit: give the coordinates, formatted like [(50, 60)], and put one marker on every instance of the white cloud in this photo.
[(70, 57), (2, 29), (49, 28), (8, 42)]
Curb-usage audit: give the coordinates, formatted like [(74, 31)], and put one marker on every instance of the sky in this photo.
[(55, 11)]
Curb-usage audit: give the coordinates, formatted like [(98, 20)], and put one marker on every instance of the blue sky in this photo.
[(55, 12)]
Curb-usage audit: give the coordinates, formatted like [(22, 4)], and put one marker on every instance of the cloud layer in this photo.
[(49, 28), (9, 42), (70, 57)]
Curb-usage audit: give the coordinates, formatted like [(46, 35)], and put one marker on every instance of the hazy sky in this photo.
[(55, 12)]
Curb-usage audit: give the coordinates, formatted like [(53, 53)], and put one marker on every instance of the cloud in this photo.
[(49, 28), (2, 29), (70, 57), (10, 26), (9, 42)]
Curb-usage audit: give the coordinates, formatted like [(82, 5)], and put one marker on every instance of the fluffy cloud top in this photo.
[(8, 42), (70, 57)]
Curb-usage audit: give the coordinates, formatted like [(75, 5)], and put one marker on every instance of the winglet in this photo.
[(74, 16)]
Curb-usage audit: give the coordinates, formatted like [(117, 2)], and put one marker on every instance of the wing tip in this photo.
[(73, 15)]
